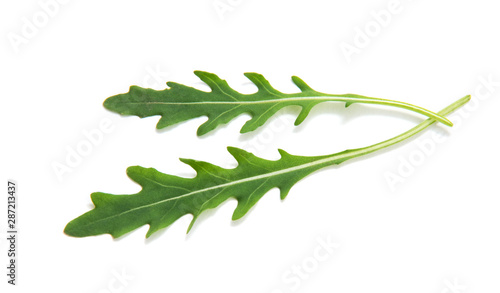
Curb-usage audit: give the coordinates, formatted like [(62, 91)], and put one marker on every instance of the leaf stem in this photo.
[(349, 154), (353, 98)]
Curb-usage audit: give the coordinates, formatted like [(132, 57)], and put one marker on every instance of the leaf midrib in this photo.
[(258, 177), (294, 99), (328, 98)]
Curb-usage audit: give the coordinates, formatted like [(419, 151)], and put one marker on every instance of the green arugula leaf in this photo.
[(222, 104), (165, 198)]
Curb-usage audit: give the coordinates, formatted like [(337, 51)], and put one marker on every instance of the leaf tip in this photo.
[(111, 103), (186, 161), (299, 119), (245, 129), (75, 229), (261, 82), (304, 113), (107, 104), (230, 149), (96, 198), (283, 153), (200, 73), (237, 214), (284, 193), (150, 232), (237, 153), (133, 171), (69, 229), (301, 84), (211, 79), (251, 75), (191, 224), (201, 131)]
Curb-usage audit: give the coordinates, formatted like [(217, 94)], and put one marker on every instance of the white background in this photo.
[(437, 230)]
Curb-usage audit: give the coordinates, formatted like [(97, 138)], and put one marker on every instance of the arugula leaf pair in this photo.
[(165, 198)]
